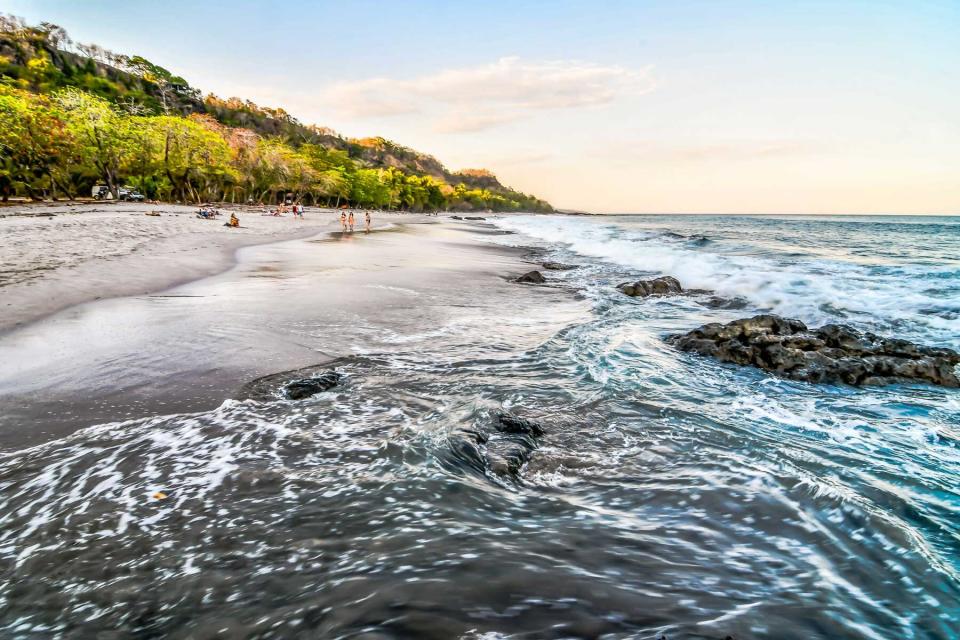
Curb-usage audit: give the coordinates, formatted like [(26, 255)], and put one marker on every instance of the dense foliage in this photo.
[(70, 120)]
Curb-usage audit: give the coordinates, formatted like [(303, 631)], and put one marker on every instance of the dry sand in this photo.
[(57, 256)]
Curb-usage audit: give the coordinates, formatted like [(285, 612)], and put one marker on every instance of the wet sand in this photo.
[(282, 306)]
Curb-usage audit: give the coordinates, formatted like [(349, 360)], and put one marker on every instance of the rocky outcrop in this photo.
[(662, 286), (532, 277), (306, 387), (831, 354), (502, 448)]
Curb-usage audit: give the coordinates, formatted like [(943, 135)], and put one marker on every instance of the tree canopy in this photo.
[(73, 116)]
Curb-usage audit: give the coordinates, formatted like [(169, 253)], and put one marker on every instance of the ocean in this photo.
[(670, 496)]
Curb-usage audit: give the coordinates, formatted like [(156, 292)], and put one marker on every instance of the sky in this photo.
[(672, 106)]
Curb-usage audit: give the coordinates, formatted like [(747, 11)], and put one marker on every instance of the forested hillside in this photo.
[(72, 116)]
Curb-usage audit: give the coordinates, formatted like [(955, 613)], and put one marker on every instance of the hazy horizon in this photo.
[(654, 108), (763, 213)]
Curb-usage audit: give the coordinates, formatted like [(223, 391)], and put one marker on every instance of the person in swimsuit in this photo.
[(350, 221), (343, 220), (367, 222)]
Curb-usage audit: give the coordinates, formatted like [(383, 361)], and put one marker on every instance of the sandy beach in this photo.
[(109, 314), (59, 255)]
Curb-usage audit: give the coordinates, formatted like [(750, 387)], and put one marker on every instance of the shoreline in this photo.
[(282, 305)]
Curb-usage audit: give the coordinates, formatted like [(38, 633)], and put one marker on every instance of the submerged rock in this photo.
[(662, 286), (306, 387), (502, 448), (558, 266), (509, 423), (473, 218), (532, 277), (293, 385), (719, 302), (831, 354)]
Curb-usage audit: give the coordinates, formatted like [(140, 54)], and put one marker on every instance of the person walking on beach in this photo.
[(367, 222), (343, 220), (350, 221)]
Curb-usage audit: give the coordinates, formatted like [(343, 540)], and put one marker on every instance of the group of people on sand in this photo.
[(295, 209), (209, 213), (347, 221), (347, 218)]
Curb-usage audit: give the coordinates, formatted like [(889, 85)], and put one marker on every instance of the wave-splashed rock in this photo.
[(557, 266), (719, 302), (502, 448), (662, 286), (306, 387), (532, 277), (293, 385), (831, 354)]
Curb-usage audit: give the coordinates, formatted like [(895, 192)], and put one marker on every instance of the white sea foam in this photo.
[(809, 286)]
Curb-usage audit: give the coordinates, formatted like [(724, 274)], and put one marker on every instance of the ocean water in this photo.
[(892, 274), (671, 496)]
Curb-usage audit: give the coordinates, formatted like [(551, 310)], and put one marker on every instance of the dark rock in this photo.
[(502, 449), (558, 266), (662, 286), (295, 384), (306, 387), (532, 277), (719, 302), (509, 423), (456, 217), (831, 354), (474, 218)]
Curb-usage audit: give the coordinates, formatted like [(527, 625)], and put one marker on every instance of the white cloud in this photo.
[(717, 151), (480, 97), (464, 121)]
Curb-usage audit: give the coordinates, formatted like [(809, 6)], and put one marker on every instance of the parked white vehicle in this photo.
[(102, 192)]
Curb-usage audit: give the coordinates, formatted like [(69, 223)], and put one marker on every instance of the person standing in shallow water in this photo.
[(343, 220), (350, 221), (367, 222)]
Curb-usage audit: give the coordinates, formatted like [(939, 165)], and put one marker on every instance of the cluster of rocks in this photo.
[(467, 218), (502, 448), (831, 354)]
